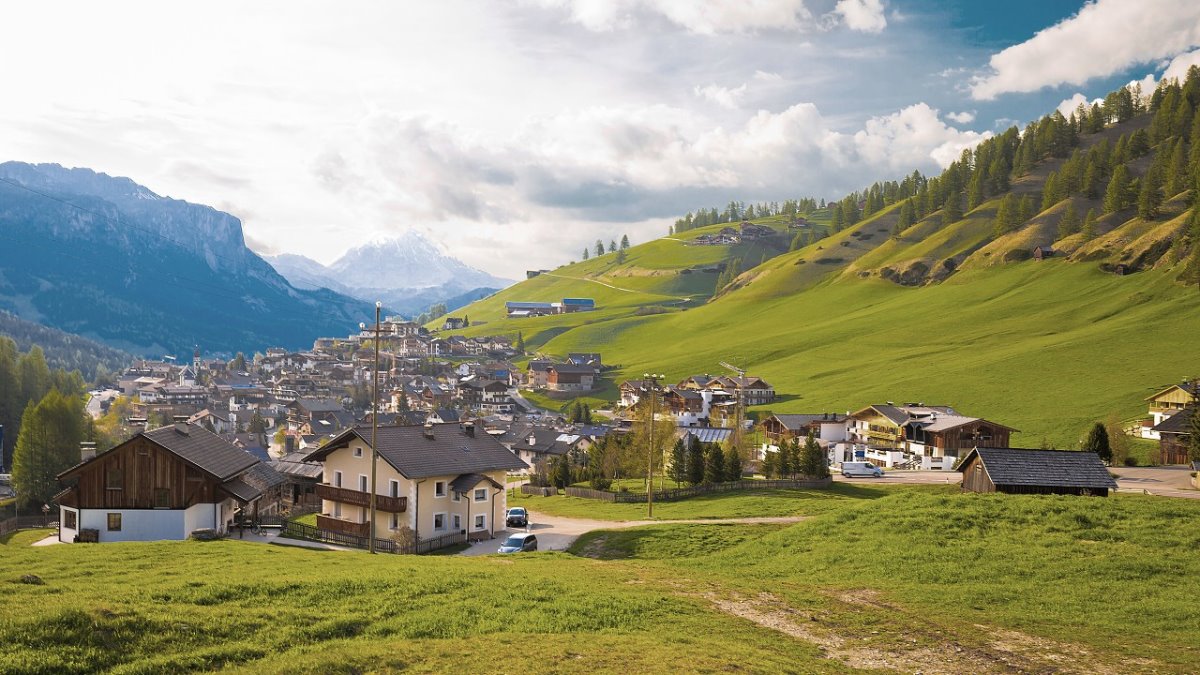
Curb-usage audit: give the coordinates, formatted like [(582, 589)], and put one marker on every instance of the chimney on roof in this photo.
[(87, 451), (179, 419), (427, 430), (182, 428), (469, 429)]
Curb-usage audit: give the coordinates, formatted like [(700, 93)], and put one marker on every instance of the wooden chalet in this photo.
[(163, 484), (1174, 434), (781, 428), (1051, 472)]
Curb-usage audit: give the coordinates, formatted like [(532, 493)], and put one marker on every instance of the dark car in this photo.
[(517, 516), (519, 543)]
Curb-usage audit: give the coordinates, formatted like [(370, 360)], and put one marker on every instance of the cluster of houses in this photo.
[(729, 235), (1169, 420)]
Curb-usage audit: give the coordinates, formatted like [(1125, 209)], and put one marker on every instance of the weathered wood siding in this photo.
[(146, 468), (975, 478)]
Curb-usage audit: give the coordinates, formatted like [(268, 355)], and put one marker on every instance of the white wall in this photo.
[(64, 534), (136, 524), (198, 517)]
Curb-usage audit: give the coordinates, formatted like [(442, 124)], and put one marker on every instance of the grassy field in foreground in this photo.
[(903, 577)]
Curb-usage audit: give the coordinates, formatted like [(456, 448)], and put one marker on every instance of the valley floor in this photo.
[(861, 577)]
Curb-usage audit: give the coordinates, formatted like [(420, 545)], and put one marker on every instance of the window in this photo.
[(337, 509), (114, 522), (457, 522), (114, 479), (395, 524), (337, 479), (456, 496), (362, 483), (439, 489), (69, 519), (358, 452), (439, 521), (481, 495), (394, 488), (481, 522), (162, 498)]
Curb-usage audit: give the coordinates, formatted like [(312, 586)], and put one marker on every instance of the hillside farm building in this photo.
[(1040, 472), (517, 310)]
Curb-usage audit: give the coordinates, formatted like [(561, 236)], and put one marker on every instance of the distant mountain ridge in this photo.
[(407, 273), (109, 259)]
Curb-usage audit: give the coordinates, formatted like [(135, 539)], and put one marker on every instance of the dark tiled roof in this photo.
[(797, 422), (298, 469), (447, 414), (313, 405), (569, 368), (1051, 468), (705, 434), (253, 483), (469, 480), (1179, 423), (203, 448), (892, 413), (450, 451)]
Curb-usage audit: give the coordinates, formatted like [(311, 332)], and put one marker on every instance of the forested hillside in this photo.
[(926, 287), (65, 351)]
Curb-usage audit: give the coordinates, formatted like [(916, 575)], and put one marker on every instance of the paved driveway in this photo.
[(1167, 481), (907, 477), (557, 534)]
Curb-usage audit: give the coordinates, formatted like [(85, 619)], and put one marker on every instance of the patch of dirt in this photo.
[(901, 649), (595, 548)]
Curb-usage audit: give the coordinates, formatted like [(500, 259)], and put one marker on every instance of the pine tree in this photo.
[(714, 464), (1116, 196), (1150, 196), (612, 246), (1069, 223), (519, 345), (1089, 225), (783, 464), (585, 253), (47, 444), (1176, 178), (1091, 180), (624, 241), (952, 209), (1025, 210), (1005, 216), (1050, 191), (798, 242), (695, 472), (815, 462), (679, 457), (1097, 442), (599, 248), (770, 464), (1193, 447)]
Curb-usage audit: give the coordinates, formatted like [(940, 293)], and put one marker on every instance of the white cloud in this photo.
[(1068, 106), (764, 76), (862, 15), (964, 117), (1179, 65), (707, 17), (722, 96), (1105, 37)]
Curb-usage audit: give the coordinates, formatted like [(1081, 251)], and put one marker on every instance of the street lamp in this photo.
[(653, 378), (374, 426)]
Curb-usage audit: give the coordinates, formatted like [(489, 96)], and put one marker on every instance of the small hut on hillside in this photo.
[(1019, 471)]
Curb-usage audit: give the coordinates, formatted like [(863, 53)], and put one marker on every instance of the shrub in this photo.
[(601, 483), (1131, 461)]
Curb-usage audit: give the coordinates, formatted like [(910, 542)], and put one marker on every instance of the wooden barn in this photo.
[(1174, 434), (163, 484), (1047, 472)]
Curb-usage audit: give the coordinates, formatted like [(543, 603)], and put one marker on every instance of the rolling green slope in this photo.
[(952, 313)]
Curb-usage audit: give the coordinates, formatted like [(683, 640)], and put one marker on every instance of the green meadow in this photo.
[(879, 578)]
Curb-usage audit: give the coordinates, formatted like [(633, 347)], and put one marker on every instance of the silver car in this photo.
[(519, 543)]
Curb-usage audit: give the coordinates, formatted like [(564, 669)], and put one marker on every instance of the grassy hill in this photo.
[(947, 311), (904, 578)]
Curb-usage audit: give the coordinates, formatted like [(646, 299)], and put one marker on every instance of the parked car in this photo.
[(861, 469), (519, 543), (517, 516)]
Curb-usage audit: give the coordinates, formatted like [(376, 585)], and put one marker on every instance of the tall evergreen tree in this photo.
[(1069, 224), (624, 241), (679, 457), (695, 472), (1006, 215), (714, 464), (1089, 225), (48, 444), (1097, 442), (1116, 196), (1150, 195), (733, 464), (599, 248)]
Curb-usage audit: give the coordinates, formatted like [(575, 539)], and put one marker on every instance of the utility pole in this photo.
[(653, 378), (374, 425)]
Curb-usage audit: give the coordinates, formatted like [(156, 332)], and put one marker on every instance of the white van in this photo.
[(864, 469)]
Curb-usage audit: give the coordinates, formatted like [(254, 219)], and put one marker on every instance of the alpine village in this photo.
[(946, 422)]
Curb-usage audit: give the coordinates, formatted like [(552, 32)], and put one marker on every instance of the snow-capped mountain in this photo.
[(408, 273)]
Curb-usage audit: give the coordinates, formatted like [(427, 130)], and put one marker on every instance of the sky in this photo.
[(516, 133)]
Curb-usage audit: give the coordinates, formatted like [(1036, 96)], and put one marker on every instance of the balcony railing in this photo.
[(343, 526), (356, 498)]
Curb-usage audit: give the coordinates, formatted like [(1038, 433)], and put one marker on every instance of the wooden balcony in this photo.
[(355, 498), (343, 526)]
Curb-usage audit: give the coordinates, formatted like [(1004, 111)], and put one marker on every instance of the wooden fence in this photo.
[(696, 490), (22, 523), (296, 530), (538, 491)]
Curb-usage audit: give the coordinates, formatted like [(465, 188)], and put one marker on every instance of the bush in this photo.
[(1131, 461), (601, 483)]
